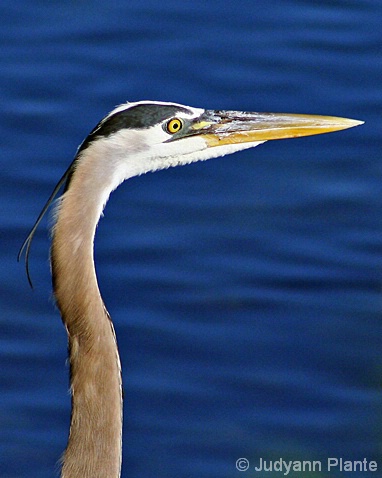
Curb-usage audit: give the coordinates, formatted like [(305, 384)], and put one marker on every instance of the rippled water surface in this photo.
[(245, 291)]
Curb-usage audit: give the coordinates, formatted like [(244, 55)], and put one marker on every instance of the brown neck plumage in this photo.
[(94, 445)]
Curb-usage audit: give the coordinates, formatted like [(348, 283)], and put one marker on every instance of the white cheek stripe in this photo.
[(128, 153)]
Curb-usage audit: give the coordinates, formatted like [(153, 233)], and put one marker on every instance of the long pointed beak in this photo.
[(231, 127)]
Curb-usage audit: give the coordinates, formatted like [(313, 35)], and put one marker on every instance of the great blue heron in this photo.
[(133, 139)]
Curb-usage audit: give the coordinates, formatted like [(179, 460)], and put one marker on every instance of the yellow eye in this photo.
[(174, 125)]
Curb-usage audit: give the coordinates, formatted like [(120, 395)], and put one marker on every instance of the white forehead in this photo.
[(192, 112)]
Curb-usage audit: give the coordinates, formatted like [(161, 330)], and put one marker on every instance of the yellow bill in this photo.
[(232, 127)]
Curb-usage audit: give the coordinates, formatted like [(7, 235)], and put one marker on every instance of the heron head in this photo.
[(149, 135)]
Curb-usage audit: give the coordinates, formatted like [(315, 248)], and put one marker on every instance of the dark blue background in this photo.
[(245, 291)]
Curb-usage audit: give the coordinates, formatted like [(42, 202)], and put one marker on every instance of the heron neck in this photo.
[(94, 445)]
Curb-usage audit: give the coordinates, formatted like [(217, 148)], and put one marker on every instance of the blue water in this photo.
[(246, 292)]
